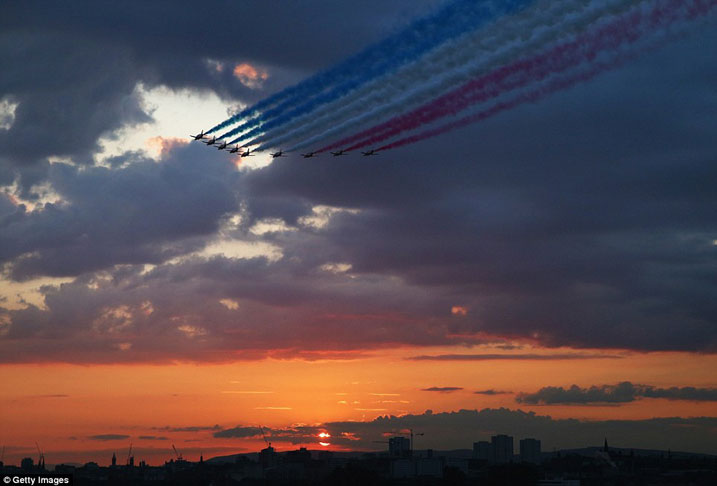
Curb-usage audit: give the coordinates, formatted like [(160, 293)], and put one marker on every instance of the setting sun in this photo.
[(324, 435)]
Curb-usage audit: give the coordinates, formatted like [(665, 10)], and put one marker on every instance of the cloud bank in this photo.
[(459, 429), (623, 392)]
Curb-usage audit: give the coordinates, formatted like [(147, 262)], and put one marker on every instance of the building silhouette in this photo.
[(483, 450), (399, 447), (300, 456), (589, 466), (530, 451), (267, 457), (502, 446)]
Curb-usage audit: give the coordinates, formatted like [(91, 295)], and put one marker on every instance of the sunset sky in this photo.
[(549, 272)]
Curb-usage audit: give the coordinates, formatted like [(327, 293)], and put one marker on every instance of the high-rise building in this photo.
[(483, 450), (302, 455), (530, 451), (502, 446), (399, 447)]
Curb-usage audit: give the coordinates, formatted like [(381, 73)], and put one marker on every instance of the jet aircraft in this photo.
[(222, 146), (246, 154), (211, 141), (309, 155), (370, 152), (198, 136), (340, 152), (280, 153), (234, 149)]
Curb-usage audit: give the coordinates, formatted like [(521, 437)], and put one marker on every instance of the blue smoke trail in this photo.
[(459, 17)]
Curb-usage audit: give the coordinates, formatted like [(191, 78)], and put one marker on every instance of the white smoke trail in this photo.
[(454, 19), (660, 22), (444, 59), (601, 18), (505, 41), (444, 54)]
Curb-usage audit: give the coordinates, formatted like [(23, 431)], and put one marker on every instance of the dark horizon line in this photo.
[(435, 452)]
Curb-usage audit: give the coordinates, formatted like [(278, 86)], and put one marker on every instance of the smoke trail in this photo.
[(436, 59), (559, 58), (661, 16), (508, 78), (349, 67), (324, 78), (454, 20), (547, 24)]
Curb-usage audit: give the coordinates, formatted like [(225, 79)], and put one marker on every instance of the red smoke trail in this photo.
[(532, 96), (584, 48), (552, 87)]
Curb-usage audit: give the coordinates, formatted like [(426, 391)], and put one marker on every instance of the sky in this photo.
[(547, 272)]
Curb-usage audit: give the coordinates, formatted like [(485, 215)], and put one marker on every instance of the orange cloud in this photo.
[(162, 145), (458, 310), (249, 75)]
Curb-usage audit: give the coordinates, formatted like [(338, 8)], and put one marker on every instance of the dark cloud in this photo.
[(297, 434), (458, 430), (69, 93), (623, 392), (193, 428), (106, 437), (174, 312), (186, 30), (238, 432), (528, 357), (620, 393), (143, 213), (152, 437), (681, 393), (492, 392), (442, 389)]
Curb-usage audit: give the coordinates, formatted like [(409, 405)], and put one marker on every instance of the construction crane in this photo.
[(268, 444), (130, 459), (410, 444), (41, 459), (179, 456), (412, 434)]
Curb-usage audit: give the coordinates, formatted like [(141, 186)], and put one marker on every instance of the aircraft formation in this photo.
[(464, 63), (204, 138)]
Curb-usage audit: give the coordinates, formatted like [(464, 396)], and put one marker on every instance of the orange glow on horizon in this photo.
[(69, 406)]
